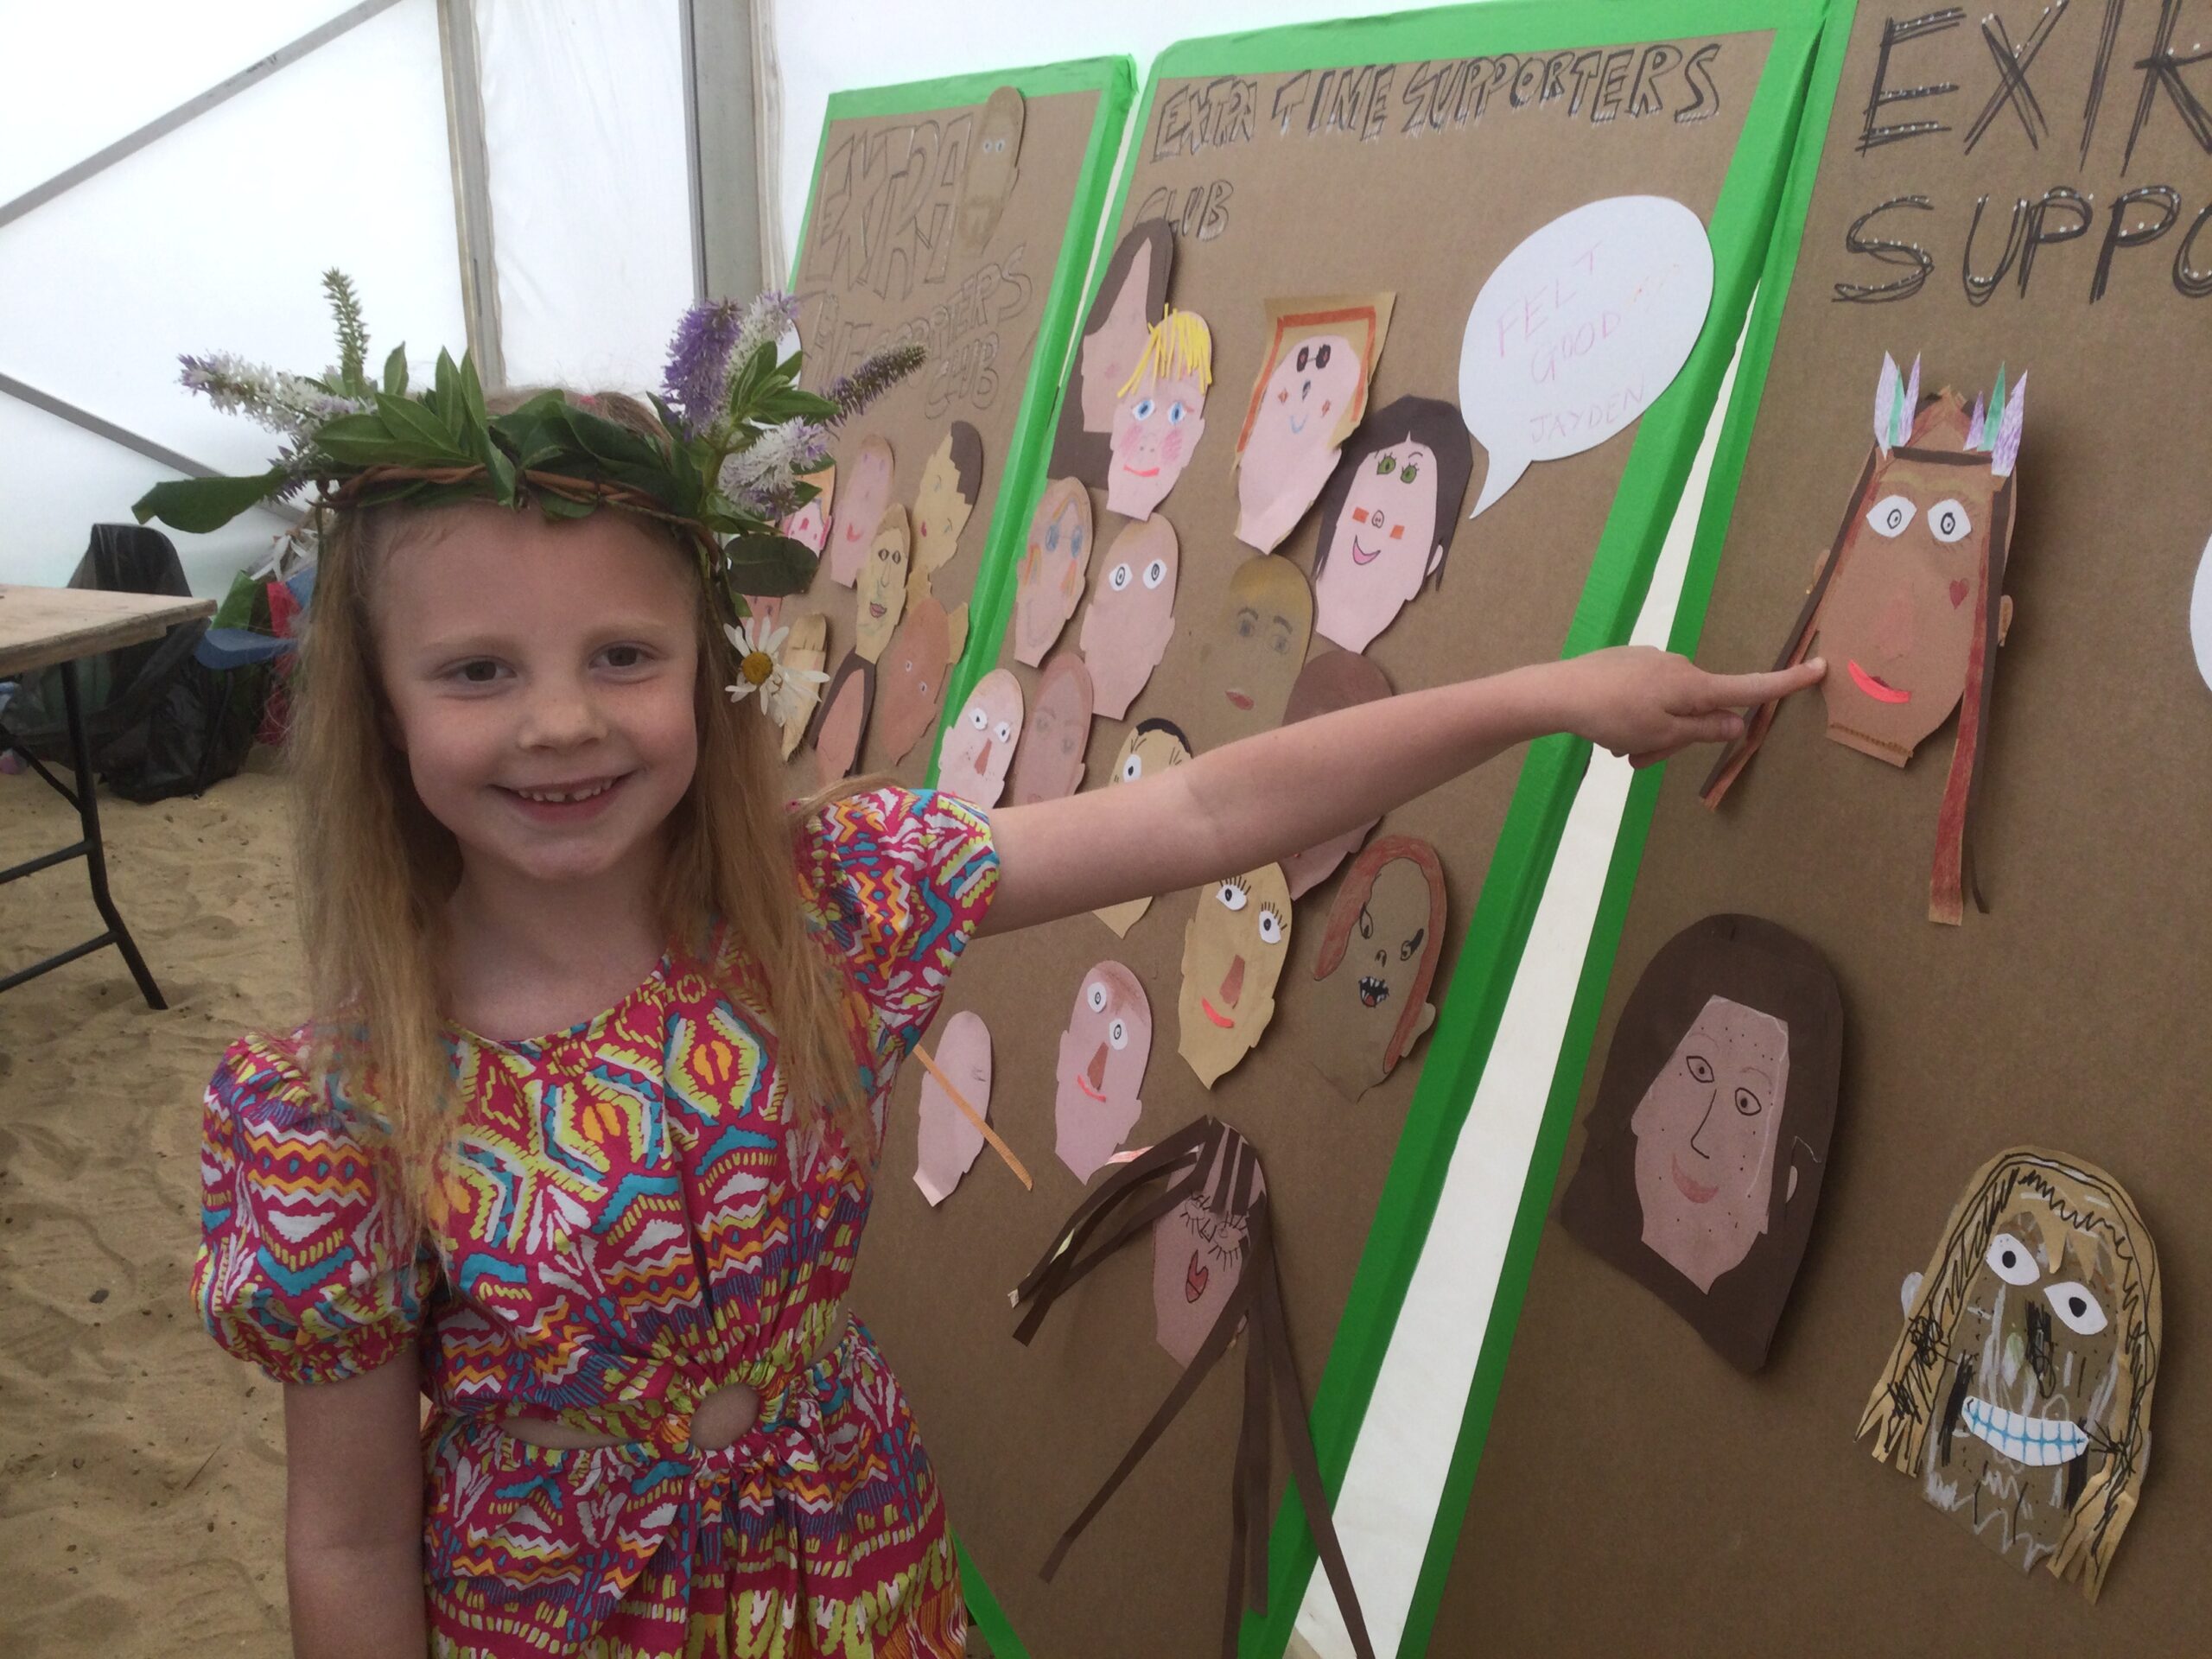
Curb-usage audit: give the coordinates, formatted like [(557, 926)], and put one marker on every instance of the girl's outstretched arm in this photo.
[(353, 1515), (1263, 799)]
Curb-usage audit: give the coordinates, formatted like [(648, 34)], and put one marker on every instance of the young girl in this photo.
[(579, 1143)]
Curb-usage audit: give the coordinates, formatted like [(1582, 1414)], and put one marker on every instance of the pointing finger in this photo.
[(1740, 690)]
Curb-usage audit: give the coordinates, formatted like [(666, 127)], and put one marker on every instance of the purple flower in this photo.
[(856, 391), (697, 379)]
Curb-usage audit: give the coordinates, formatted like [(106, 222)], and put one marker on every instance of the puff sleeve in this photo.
[(904, 878), (298, 1268)]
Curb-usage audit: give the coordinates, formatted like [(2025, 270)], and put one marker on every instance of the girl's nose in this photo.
[(562, 717)]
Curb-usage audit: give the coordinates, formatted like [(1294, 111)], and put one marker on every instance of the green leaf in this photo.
[(559, 506), (769, 565), (365, 440), (409, 422), (395, 370), (199, 505), (450, 405)]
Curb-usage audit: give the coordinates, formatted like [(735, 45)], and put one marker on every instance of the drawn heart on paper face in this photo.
[(1194, 1281), (1958, 593)]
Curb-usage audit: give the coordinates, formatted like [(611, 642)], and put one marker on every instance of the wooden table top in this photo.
[(40, 627)]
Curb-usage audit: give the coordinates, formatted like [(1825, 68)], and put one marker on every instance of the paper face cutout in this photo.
[(1378, 959), (2019, 1393), (910, 680), (947, 1142), (867, 493), (1103, 1052), (1050, 582), (2200, 615), (1233, 953), (1253, 659), (1132, 613), (809, 525), (952, 482), (993, 165), (1114, 330), (882, 584), (1160, 414), (1709, 1138), (841, 723), (1049, 762), (1147, 751), (1387, 518), (1320, 362), (1334, 680), (1199, 1249), (807, 646), (978, 748)]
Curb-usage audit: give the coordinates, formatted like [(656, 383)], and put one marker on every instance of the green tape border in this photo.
[(1114, 79), (1734, 444)]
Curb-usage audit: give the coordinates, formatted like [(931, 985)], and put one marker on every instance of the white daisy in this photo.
[(785, 691)]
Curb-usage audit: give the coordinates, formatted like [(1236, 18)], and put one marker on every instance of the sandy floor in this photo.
[(140, 1469)]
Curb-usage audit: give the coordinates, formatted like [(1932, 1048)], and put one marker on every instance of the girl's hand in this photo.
[(1648, 704)]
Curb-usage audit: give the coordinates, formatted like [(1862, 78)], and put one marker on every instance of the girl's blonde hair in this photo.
[(375, 868)]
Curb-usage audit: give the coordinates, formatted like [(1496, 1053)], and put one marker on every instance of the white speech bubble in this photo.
[(2200, 615), (1579, 330)]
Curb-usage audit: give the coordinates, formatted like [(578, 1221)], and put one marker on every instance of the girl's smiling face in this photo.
[(541, 681)]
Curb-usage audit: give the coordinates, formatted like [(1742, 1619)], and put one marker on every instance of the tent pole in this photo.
[(471, 188)]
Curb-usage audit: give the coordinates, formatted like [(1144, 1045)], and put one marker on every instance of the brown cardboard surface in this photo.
[(1020, 1437), (1715, 1513), (883, 263)]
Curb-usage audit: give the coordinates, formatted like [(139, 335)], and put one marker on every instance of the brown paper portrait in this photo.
[(1331, 681), (1251, 658), (1379, 949), (952, 483), (994, 164), (1048, 585), (1233, 954), (1199, 1248), (841, 721), (1048, 763), (882, 595), (910, 678), (1705, 1152), (1151, 747), (805, 647), (1311, 393), (973, 756), (1131, 616), (1114, 330), (853, 527), (947, 1142)]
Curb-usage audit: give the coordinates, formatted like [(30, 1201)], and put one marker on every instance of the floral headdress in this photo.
[(741, 433)]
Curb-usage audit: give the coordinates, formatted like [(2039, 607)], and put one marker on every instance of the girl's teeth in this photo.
[(556, 799)]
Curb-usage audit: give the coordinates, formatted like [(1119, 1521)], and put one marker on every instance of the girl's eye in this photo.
[(2009, 1259), (1131, 769), (1947, 522), (1270, 926), (1118, 578), (1143, 410), (1231, 895), (1096, 997), (1700, 1068), (1002, 732), (1155, 573), (1118, 1033), (1890, 516), (482, 671), (2081, 1312), (977, 719), (625, 656), (1175, 413)]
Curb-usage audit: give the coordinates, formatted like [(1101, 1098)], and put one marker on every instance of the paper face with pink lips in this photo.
[(947, 1142), (978, 746), (1198, 1251), (1159, 415), (1049, 583), (1320, 362), (867, 493), (809, 525), (1132, 614), (1387, 518), (1252, 662), (1103, 1052), (1233, 955), (1049, 762)]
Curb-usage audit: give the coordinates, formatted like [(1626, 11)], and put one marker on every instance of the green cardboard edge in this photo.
[(1664, 445), (1733, 445), (1114, 79)]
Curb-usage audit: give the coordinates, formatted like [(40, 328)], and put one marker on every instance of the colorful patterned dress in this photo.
[(632, 1224)]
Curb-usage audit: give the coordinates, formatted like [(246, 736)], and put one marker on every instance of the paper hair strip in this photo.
[(1210, 1161)]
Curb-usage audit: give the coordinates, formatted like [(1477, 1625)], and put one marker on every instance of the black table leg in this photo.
[(88, 815)]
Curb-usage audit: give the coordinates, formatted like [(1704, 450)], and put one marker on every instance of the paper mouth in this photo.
[(1297, 424), (1140, 472), (1084, 1083), (2038, 1442), (1361, 556), (1875, 687), (1216, 1016), (1241, 700), (1194, 1279), (876, 610), (1372, 991), (1695, 1191)]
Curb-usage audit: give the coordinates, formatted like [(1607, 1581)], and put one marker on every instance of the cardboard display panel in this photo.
[(1620, 1454), (906, 183), (1408, 156)]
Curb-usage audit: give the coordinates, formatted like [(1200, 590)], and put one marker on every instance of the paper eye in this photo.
[(1175, 413), (1303, 354), (1947, 522), (1052, 538), (1118, 1033), (1411, 948), (1231, 895), (1699, 1068), (1890, 516), (1131, 769), (1366, 924), (1747, 1104), (1322, 357), (1155, 573), (2080, 1312), (978, 719), (1075, 543), (1409, 472), (2009, 1259), (1385, 465), (1118, 578), (1095, 994), (1002, 732), (1143, 410), (1270, 925)]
